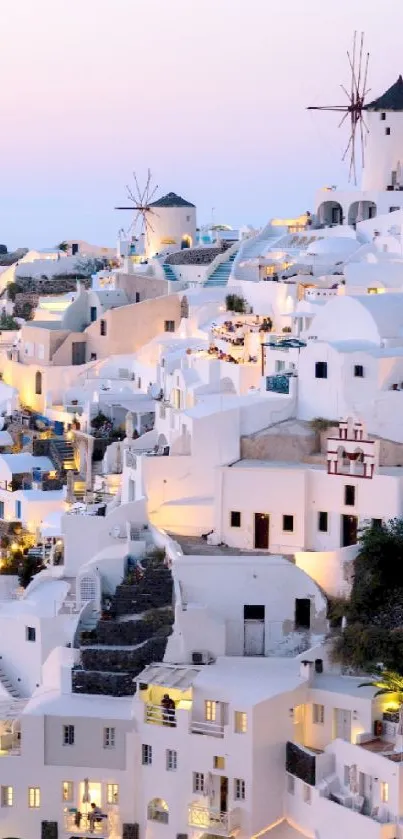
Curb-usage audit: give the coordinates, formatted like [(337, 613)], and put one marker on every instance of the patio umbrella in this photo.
[(86, 793)]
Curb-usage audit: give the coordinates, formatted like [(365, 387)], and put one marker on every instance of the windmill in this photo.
[(354, 107), (141, 207)]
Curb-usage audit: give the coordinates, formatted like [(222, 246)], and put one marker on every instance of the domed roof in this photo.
[(391, 100), (171, 199), (333, 245)]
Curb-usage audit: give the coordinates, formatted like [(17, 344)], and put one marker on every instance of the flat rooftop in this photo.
[(197, 546)]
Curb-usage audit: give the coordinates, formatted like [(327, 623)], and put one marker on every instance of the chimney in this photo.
[(306, 669)]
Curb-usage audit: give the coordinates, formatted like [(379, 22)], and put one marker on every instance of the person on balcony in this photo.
[(95, 815)]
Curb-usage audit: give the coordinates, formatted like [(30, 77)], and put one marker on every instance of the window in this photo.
[(34, 797), (321, 370), (358, 371), (109, 738), (112, 793), (384, 792), (302, 613), (239, 789), (318, 714), (290, 784), (279, 366), (157, 811), (219, 762), (288, 524), (169, 326), (1, 509), (6, 796), (387, 131), (102, 327), (383, 115), (210, 710), (307, 794), (18, 509), (68, 735), (171, 760), (93, 313), (30, 633), (235, 518), (198, 782), (67, 791), (137, 297), (349, 495), (38, 383), (146, 755), (376, 523), (241, 722), (322, 522)]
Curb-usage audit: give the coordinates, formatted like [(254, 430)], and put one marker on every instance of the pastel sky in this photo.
[(209, 94)]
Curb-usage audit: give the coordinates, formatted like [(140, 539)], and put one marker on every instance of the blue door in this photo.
[(18, 509), (93, 313)]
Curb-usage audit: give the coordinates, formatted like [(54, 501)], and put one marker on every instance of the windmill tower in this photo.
[(384, 148), (141, 228)]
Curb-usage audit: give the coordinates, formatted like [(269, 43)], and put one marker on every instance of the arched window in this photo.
[(38, 383), (158, 811)]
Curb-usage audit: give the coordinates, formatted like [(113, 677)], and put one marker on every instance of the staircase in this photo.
[(220, 275), (5, 681), (169, 272), (62, 452)]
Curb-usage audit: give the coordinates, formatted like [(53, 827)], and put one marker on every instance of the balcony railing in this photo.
[(222, 824), (158, 715), (213, 729), (79, 824)]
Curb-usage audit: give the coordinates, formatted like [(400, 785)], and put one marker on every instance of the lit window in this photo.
[(171, 760), (68, 735), (30, 633), (210, 710), (109, 738), (307, 794), (288, 524), (235, 518), (384, 792), (239, 789), (112, 793), (219, 762), (146, 755), (67, 791), (34, 797), (322, 522), (318, 714), (6, 796), (290, 784), (157, 811), (198, 782), (241, 722)]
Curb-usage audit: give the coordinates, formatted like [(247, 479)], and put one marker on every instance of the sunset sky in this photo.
[(210, 95)]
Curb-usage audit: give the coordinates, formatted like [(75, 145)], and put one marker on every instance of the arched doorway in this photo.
[(361, 211), (38, 383), (330, 213), (186, 241)]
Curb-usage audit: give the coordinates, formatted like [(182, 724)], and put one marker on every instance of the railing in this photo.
[(213, 729), (80, 824), (158, 715), (204, 817)]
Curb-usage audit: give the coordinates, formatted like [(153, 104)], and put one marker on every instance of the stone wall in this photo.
[(195, 256)]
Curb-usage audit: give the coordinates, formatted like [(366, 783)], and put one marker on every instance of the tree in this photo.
[(235, 303), (12, 290), (63, 246), (386, 681)]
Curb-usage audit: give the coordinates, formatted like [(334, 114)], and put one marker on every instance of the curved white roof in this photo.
[(342, 245), (368, 318)]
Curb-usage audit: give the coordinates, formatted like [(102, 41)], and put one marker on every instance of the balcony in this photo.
[(213, 729), (79, 824), (158, 715), (221, 824)]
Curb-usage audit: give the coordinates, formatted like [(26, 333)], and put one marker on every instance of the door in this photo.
[(93, 313), (365, 789), (342, 724), (349, 526), (261, 531), (254, 634), (78, 352), (336, 215), (223, 794), (302, 613)]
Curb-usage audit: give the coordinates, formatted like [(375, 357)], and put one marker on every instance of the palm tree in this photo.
[(63, 246), (386, 681)]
